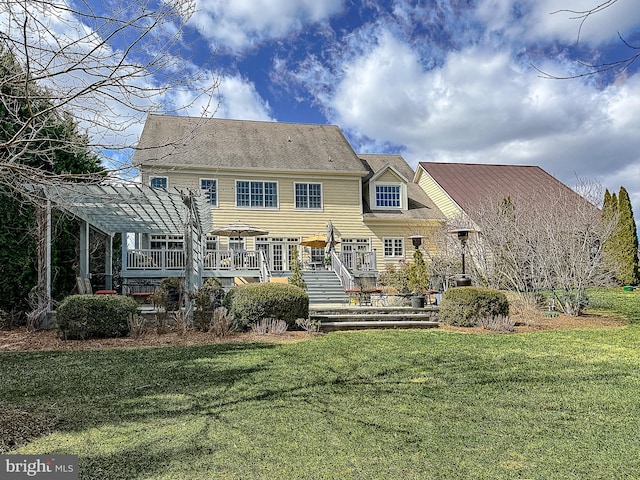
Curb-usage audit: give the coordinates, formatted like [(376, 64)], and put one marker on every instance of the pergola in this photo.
[(125, 209)]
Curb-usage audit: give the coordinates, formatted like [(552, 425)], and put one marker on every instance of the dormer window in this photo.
[(388, 196), (387, 190)]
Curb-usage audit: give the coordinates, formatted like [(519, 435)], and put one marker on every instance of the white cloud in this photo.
[(549, 20), (239, 24), (240, 100), (482, 106)]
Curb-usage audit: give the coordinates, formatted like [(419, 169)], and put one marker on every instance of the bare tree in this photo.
[(105, 63), (548, 241), (620, 65)]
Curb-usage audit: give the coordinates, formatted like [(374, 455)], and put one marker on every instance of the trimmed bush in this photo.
[(255, 301), (94, 316), (466, 306)]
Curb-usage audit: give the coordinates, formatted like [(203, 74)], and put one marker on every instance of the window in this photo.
[(256, 194), (388, 196), (393, 247), (209, 187), (158, 182), (236, 243), (308, 195), (166, 242)]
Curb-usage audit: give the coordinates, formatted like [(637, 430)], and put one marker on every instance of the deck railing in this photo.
[(254, 260), (358, 261), (148, 259)]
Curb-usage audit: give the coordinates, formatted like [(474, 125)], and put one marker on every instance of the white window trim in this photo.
[(166, 180), (249, 207), (393, 255), (403, 195), (212, 205), (309, 209)]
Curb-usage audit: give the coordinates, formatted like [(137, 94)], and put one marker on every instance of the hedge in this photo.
[(79, 317), (466, 306), (255, 301)]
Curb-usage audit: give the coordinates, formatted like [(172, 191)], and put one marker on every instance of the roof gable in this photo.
[(189, 142), (390, 169)]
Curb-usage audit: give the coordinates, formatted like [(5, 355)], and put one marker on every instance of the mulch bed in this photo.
[(19, 339)]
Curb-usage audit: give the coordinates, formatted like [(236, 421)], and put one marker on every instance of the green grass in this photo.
[(361, 405), (616, 300)]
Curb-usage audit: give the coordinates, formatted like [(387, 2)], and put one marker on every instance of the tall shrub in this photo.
[(627, 240), (466, 306), (255, 301), (80, 317)]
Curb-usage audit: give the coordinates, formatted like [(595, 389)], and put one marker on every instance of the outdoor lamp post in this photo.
[(416, 240), (463, 236)]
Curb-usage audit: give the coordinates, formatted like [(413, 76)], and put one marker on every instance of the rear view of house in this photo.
[(285, 183)]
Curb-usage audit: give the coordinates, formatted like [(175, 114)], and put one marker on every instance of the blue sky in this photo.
[(434, 80)]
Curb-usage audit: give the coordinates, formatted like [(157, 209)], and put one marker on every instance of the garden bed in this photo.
[(19, 339)]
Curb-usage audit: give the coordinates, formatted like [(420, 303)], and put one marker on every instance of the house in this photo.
[(289, 182)]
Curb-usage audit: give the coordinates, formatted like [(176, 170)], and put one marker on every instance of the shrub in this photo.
[(498, 324), (221, 325), (252, 302), (80, 317), (396, 278), (207, 299), (466, 306), (169, 294), (269, 326)]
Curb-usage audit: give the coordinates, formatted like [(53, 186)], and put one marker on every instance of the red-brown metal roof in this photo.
[(469, 185)]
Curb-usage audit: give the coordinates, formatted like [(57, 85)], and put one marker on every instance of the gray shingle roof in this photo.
[(171, 141), (420, 204)]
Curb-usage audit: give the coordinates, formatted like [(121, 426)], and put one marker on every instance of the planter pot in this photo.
[(417, 301)]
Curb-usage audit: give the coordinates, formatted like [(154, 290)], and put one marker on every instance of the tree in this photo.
[(78, 76), (549, 241), (617, 66), (52, 156), (107, 64), (626, 241), (418, 274)]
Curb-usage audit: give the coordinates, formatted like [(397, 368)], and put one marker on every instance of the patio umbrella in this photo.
[(238, 230), (315, 241)]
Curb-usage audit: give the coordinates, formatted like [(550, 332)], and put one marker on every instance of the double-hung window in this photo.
[(256, 194), (308, 196), (209, 187), (388, 196), (393, 247), (158, 182)]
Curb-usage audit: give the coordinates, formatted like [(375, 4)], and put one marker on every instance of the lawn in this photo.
[(364, 405)]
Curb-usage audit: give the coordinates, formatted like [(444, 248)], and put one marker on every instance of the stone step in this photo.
[(375, 324)]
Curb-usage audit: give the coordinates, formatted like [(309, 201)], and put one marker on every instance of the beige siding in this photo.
[(341, 204), (446, 205), (389, 176)]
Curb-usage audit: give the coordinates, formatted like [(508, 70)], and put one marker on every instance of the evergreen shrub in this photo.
[(466, 306), (79, 317), (255, 301)]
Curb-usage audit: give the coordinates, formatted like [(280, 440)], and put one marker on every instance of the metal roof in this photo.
[(135, 209)]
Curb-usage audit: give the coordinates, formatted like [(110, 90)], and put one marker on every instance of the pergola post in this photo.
[(84, 249), (108, 263), (42, 315)]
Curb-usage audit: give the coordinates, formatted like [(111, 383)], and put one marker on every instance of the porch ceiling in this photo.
[(112, 209)]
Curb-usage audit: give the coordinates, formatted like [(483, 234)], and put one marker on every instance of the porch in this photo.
[(257, 265)]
